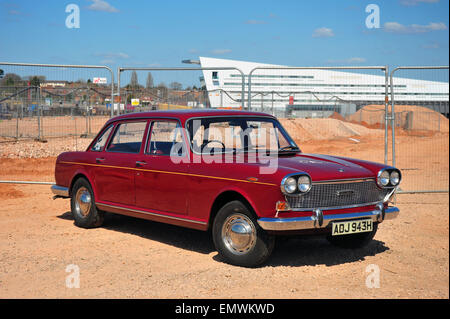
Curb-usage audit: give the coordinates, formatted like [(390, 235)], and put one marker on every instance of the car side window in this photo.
[(166, 138), (101, 140), (127, 137)]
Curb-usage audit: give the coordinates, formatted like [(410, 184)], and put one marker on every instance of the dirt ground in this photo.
[(131, 258)]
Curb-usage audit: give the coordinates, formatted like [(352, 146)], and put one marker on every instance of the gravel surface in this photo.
[(130, 258)]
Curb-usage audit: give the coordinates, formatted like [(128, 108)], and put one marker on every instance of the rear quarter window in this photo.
[(101, 140)]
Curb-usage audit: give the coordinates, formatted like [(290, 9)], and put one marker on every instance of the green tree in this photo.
[(35, 81), (149, 84), (176, 86), (11, 79), (134, 80)]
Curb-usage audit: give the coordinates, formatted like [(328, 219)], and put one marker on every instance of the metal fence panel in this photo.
[(49, 100), (327, 104), (173, 88), (420, 110)]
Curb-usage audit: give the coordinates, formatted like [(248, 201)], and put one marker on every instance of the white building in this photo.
[(311, 90)]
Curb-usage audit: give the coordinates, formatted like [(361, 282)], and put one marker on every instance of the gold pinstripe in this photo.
[(173, 173)]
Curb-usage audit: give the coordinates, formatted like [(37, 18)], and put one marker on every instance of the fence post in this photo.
[(87, 110), (17, 125), (38, 114), (386, 115), (273, 111)]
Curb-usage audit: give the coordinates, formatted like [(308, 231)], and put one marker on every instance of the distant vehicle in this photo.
[(212, 170)]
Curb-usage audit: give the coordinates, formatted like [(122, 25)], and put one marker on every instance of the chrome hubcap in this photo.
[(239, 234), (83, 201)]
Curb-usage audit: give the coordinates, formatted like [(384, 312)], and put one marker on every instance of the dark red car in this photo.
[(236, 173)]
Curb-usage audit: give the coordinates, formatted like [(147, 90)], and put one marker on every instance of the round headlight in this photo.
[(394, 178), (304, 183), (290, 185), (383, 178)]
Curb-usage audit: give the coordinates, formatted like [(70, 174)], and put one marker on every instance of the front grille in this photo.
[(337, 194)]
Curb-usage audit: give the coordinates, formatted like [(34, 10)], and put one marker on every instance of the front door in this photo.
[(114, 174), (161, 179)]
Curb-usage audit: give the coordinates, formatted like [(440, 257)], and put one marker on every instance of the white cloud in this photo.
[(221, 51), (100, 5), (416, 2), (111, 57), (323, 33), (107, 61), (354, 60), (395, 27)]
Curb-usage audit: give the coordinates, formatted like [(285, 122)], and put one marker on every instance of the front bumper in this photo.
[(318, 220)]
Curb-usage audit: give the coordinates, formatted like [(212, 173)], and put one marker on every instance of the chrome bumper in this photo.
[(318, 220), (60, 191)]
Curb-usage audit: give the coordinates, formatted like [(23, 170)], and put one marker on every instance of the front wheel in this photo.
[(353, 240), (238, 238)]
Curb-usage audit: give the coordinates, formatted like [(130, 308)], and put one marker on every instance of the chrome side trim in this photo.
[(100, 205), (60, 190), (313, 221)]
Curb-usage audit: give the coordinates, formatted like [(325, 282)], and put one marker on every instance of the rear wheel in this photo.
[(238, 238), (82, 205), (353, 240)]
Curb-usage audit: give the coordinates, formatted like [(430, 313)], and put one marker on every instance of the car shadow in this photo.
[(289, 251), (180, 237), (316, 250)]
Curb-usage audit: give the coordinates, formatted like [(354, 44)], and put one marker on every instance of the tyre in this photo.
[(238, 238), (82, 204), (353, 240)]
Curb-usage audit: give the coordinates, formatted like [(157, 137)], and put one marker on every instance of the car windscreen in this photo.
[(237, 134)]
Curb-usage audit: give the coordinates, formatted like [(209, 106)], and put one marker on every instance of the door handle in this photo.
[(100, 159), (139, 163)]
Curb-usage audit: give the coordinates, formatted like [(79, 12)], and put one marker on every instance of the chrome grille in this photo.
[(336, 194)]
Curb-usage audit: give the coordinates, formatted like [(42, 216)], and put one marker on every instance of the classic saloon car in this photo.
[(238, 174)]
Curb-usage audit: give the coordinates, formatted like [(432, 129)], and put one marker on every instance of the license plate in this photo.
[(352, 227)]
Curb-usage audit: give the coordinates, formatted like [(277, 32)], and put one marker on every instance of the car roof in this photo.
[(185, 114)]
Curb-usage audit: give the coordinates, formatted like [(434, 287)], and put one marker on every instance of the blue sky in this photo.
[(162, 33)]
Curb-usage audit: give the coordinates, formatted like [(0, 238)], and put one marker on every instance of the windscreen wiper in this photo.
[(289, 148)]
